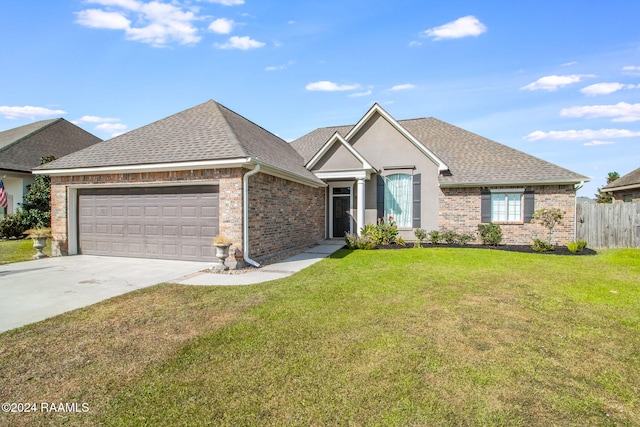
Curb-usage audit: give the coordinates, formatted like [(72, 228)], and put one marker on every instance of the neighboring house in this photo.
[(429, 174), (626, 188), (22, 148), (166, 189)]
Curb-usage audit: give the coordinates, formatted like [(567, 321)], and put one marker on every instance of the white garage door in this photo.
[(152, 222)]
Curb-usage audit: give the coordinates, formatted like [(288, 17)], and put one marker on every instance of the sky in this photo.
[(559, 80)]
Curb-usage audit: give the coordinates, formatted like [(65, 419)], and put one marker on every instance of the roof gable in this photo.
[(338, 139)]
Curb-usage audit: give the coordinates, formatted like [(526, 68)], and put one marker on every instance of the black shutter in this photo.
[(485, 207), (380, 197), (529, 205), (417, 178)]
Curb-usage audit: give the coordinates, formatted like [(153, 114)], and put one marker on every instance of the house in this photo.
[(626, 188), (166, 189), (429, 174), (21, 149)]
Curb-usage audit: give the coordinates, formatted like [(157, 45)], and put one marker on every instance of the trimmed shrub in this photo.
[(420, 234), (490, 234), (582, 244), (359, 242), (435, 237), (13, 226), (540, 245), (572, 247), (450, 237), (465, 238)]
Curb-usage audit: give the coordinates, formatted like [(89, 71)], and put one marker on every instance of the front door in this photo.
[(341, 217)]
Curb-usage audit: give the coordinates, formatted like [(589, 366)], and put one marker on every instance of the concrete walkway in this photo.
[(270, 272)]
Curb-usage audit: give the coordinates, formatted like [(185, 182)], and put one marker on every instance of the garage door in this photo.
[(153, 222)]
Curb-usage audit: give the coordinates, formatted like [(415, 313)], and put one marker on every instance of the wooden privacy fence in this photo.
[(609, 225)]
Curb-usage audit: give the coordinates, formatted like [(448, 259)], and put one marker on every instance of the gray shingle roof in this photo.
[(632, 178), (472, 159), (208, 131), (21, 148)]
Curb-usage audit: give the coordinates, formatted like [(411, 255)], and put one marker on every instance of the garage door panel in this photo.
[(160, 222)]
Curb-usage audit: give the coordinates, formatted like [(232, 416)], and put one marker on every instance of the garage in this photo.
[(148, 222)]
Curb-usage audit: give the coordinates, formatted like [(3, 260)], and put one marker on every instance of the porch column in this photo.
[(360, 208)]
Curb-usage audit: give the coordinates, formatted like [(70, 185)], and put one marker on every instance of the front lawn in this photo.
[(19, 250), (412, 337)]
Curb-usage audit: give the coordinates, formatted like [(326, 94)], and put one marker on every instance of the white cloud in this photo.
[(596, 143), (279, 67), (575, 135), (568, 64), (415, 43), (153, 22), (461, 27), (114, 129), (634, 70), (327, 86), (242, 43), (95, 119), (602, 88), (227, 2), (28, 112), (402, 87), (96, 18), (621, 112), (552, 83), (222, 26), (359, 94)]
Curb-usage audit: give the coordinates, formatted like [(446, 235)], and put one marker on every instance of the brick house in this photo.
[(166, 189), (626, 188), (21, 149)]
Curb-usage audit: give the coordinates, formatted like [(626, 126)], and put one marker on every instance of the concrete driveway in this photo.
[(35, 290)]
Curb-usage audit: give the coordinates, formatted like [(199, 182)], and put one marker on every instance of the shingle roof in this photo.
[(21, 148), (472, 159), (632, 178), (208, 131)]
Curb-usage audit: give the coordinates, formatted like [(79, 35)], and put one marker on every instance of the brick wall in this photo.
[(283, 215), (230, 198), (460, 212), (632, 195)]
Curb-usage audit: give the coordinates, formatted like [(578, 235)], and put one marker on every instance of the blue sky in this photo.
[(557, 79)]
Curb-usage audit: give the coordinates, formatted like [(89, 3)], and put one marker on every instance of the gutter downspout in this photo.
[(245, 203)]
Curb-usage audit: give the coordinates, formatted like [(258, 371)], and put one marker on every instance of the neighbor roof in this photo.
[(21, 148), (208, 131), (630, 180), (472, 159)]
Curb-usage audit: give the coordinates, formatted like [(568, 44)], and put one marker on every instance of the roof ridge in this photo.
[(227, 126), (38, 130)]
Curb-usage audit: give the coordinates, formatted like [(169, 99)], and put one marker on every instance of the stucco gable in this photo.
[(337, 153)]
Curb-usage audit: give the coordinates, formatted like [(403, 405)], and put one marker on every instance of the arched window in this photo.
[(398, 199)]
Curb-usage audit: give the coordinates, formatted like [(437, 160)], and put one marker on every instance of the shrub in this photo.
[(421, 234), (572, 247), (435, 237), (490, 234), (464, 238), (13, 226), (359, 242), (577, 246), (450, 236), (382, 233), (400, 241), (540, 245)]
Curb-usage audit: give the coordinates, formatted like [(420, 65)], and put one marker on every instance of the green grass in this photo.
[(413, 337), (19, 250)]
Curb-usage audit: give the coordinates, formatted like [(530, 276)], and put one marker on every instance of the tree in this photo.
[(603, 196), (549, 218), (36, 209)]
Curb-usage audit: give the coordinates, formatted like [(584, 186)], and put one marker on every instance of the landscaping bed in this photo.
[(558, 250)]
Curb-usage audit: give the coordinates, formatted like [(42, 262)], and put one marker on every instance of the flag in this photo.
[(3, 196)]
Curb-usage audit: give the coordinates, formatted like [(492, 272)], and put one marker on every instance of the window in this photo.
[(398, 200), (506, 207)]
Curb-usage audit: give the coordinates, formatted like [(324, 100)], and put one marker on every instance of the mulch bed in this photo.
[(558, 250)]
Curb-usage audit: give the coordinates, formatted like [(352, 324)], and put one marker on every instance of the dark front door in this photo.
[(341, 216)]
